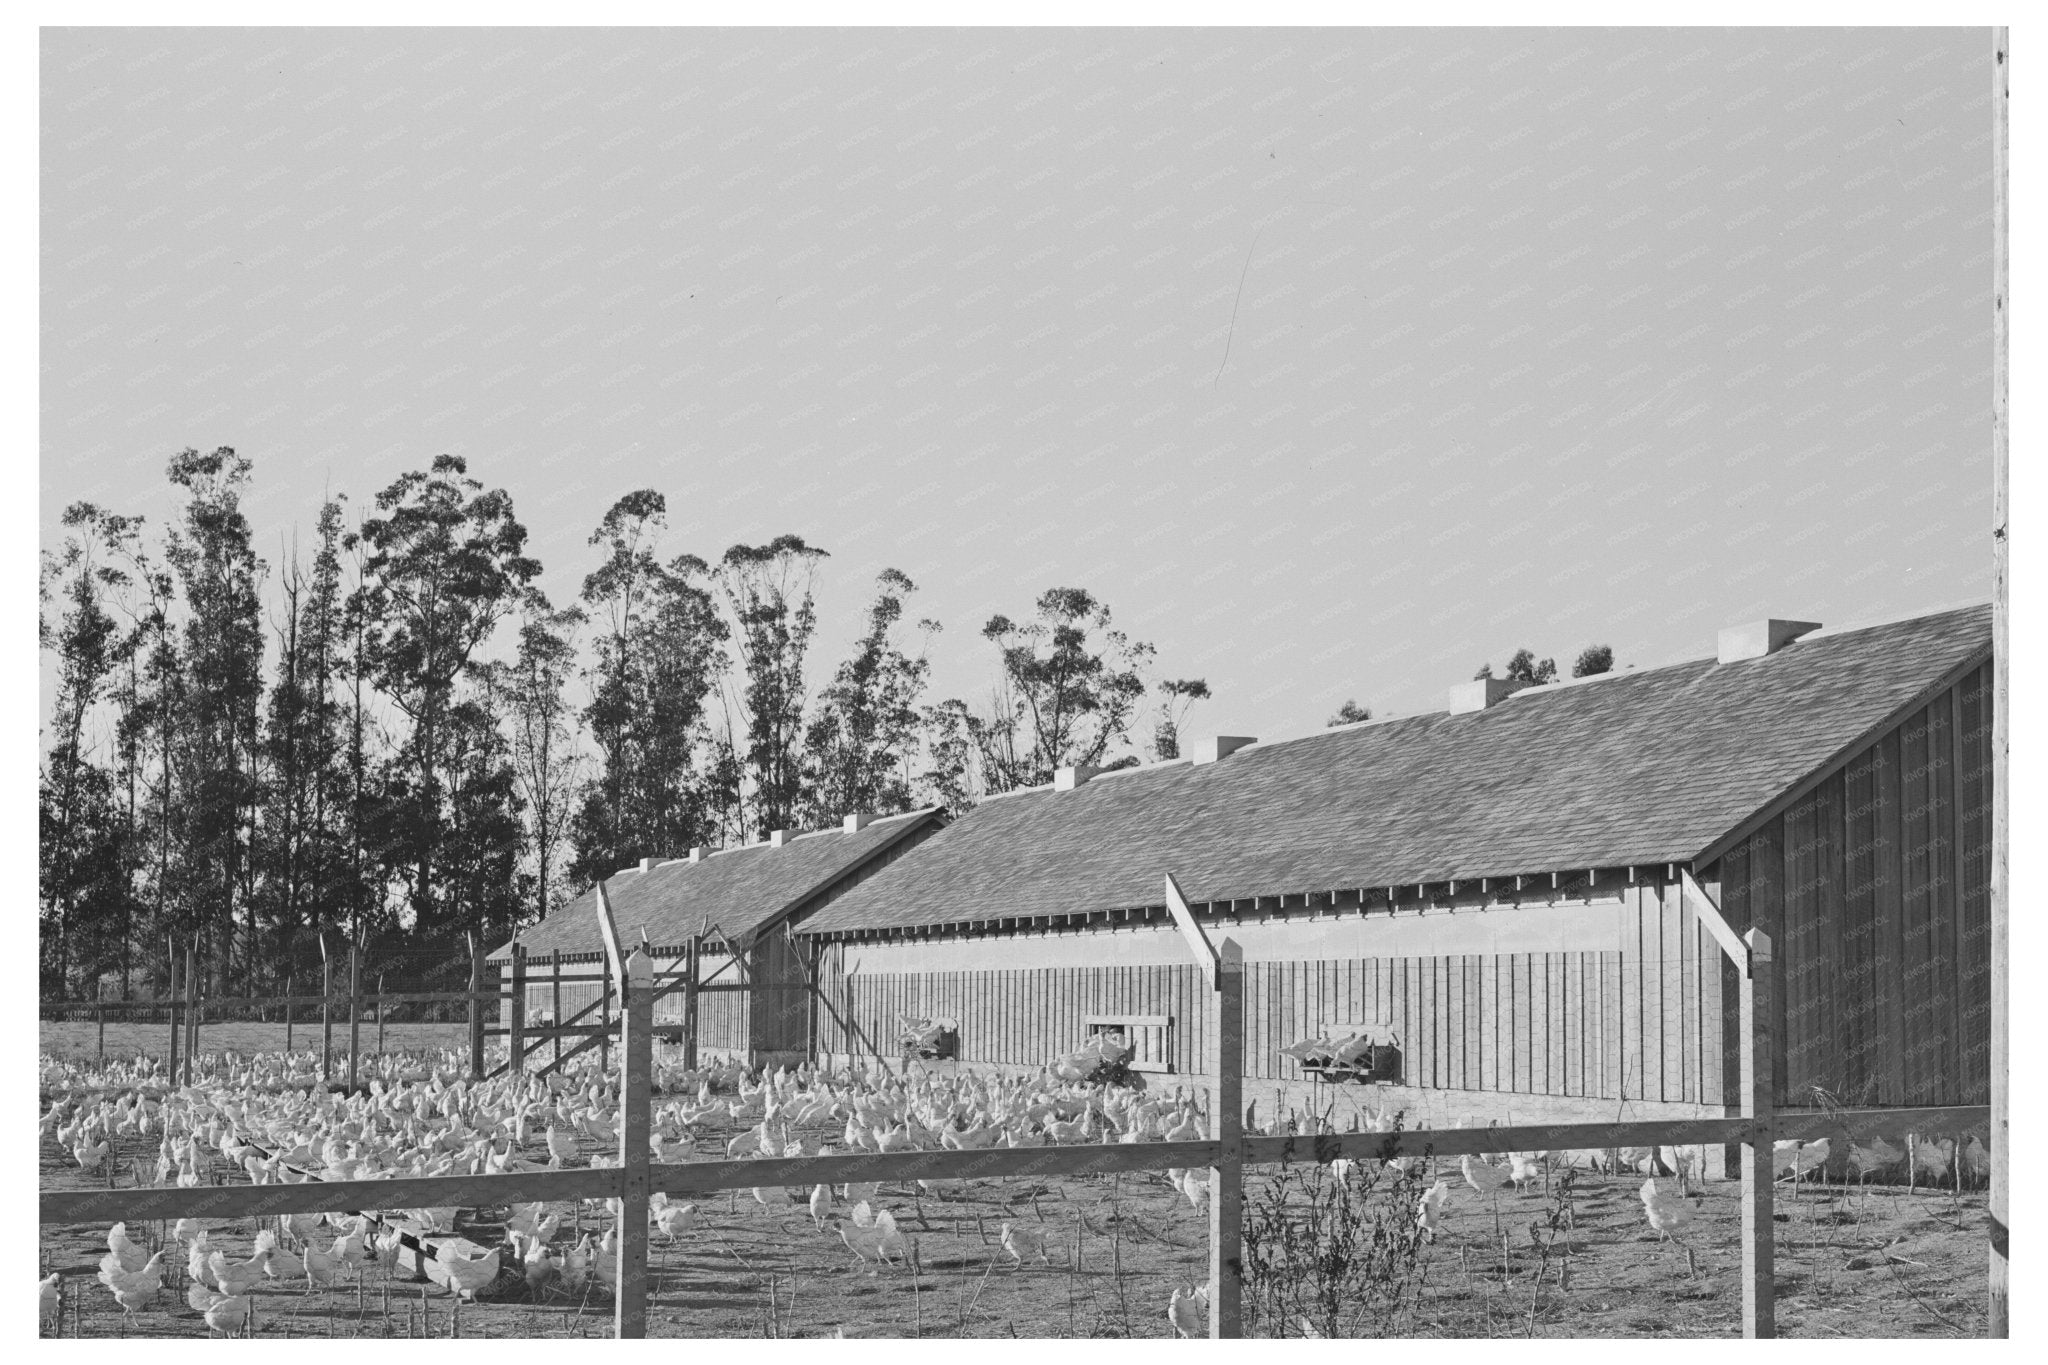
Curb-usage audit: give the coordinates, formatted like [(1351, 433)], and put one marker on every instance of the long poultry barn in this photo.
[(733, 906), (1491, 895)]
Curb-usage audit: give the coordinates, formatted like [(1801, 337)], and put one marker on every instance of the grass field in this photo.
[(1882, 1262)]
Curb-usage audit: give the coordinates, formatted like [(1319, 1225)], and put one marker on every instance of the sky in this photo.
[(1336, 362)]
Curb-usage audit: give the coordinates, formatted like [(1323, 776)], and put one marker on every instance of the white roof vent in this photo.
[(1758, 638), (649, 864), (778, 838), (1066, 779), (856, 821), (1212, 748), (1481, 693), (697, 854)]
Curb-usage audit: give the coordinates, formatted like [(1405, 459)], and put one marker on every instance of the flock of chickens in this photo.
[(266, 1119)]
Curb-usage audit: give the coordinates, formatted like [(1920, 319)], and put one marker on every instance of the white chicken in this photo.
[(1667, 1214), (1021, 1242), (1430, 1210), (1189, 1313)]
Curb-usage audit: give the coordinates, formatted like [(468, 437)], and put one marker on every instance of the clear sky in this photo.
[(1336, 362)]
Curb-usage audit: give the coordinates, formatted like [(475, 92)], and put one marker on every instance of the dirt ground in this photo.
[(1880, 1262)]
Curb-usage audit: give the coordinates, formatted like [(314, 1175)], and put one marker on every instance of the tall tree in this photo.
[(445, 564), (1062, 697), (657, 655), (862, 737), (215, 727), (769, 591), (74, 804), (533, 692)]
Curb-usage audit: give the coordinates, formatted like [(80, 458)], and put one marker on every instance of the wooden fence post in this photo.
[(1998, 1210), (515, 1027), (476, 1008), (326, 1013), (355, 1011), (1759, 1100), (380, 1014), (191, 1008), (555, 1004), (99, 1016), (287, 1011), (696, 961), (604, 1023), (1226, 1126), (171, 996), (636, 1048)]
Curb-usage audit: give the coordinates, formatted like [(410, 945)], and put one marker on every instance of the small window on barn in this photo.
[(1144, 1034)]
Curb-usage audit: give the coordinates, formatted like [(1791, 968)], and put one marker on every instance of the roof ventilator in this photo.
[(1758, 638)]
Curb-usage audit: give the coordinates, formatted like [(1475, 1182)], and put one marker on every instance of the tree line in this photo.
[(395, 738)]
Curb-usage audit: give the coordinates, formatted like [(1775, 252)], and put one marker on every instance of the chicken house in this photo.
[(1490, 895)]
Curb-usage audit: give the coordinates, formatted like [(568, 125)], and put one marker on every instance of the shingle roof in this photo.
[(1640, 767), (737, 891)]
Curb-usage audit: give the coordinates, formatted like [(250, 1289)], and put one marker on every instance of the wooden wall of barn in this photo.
[(1631, 1011), (1876, 888)]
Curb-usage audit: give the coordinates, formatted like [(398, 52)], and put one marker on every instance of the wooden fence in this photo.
[(1226, 1151)]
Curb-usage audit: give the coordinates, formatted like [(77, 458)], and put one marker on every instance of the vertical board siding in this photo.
[(1973, 901)]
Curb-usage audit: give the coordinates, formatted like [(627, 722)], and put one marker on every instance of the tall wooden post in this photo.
[(355, 1011), (1759, 1101), (555, 1005), (380, 1014), (636, 1048), (604, 1024), (1226, 1127), (2000, 1137), (515, 1026), (476, 1008), (326, 1013), (287, 1012), (696, 974), (191, 1008), (171, 997), (99, 1017)]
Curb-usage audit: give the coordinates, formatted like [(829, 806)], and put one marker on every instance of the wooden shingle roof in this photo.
[(737, 892), (1641, 767)]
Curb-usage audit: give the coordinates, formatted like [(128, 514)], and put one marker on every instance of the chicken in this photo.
[(279, 1264), (48, 1297), (1667, 1214), (871, 1236), (320, 1266), (576, 1266), (1523, 1168), (1875, 1155), (1977, 1159), (821, 1201), (227, 1314), (1430, 1212), (1021, 1241), (563, 1147), (469, 1275), (675, 1219), (90, 1155), (235, 1278), (129, 1256), (1482, 1177), (1194, 1188), (536, 1266), (772, 1196), (1189, 1313), (1933, 1158)]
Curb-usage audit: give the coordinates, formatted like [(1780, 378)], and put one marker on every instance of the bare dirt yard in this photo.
[(1875, 1262)]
